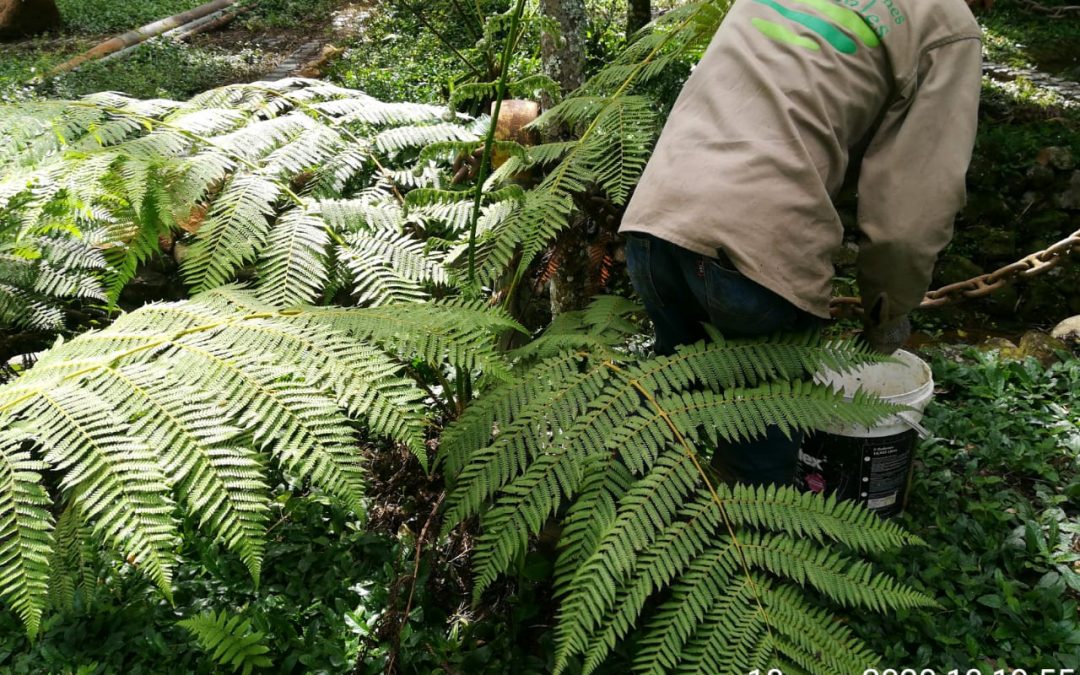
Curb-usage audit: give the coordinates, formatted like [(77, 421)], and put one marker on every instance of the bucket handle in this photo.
[(920, 430)]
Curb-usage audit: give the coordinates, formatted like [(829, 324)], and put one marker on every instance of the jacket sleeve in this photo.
[(912, 180)]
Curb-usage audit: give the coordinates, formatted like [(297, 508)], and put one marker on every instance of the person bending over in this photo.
[(733, 222)]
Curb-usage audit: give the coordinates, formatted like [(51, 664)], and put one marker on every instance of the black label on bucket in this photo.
[(871, 471)]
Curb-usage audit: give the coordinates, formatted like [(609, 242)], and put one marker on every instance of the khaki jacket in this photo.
[(788, 94)]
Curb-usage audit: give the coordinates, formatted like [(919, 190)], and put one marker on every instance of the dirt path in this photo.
[(306, 59)]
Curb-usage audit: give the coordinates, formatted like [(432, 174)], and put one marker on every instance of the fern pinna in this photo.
[(177, 409), (609, 445)]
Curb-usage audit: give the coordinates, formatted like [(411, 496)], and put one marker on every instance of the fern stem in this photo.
[(489, 141), (705, 478)]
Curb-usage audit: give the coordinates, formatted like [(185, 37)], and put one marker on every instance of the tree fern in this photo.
[(611, 443), (230, 640), (615, 127), (178, 408)]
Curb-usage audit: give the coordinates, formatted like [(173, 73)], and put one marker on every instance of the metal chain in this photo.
[(984, 284)]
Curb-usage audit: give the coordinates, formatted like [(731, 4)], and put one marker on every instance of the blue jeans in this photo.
[(681, 291)]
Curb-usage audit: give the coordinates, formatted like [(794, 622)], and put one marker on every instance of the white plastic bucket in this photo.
[(871, 465)]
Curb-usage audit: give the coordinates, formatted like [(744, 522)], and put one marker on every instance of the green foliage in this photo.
[(995, 496), (231, 640), (283, 179), (278, 14), (1021, 37), (610, 446), (181, 406), (162, 68), (101, 16)]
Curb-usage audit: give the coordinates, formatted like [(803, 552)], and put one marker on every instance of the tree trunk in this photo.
[(564, 62), (22, 18), (638, 15)]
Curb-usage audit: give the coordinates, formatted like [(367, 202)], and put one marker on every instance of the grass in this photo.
[(160, 68), (164, 69), (102, 16), (1023, 38), (996, 496)]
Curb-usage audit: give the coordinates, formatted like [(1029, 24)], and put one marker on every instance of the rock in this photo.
[(318, 66), (1006, 347), (1040, 346), (995, 244), (1002, 302), (985, 207), (1070, 198), (21, 18), (953, 268), (1056, 158), (180, 251), (1039, 176), (1068, 331), (1050, 225)]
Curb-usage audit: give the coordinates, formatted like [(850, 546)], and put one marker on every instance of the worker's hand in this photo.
[(889, 336)]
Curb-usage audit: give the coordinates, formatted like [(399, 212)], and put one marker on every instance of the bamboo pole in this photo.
[(185, 32), (139, 35)]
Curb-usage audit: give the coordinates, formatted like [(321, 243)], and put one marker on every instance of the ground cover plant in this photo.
[(995, 497)]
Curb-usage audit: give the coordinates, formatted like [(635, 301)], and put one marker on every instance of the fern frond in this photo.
[(73, 561), (113, 477), (233, 233), (353, 215), (218, 482), (404, 138), (230, 640), (248, 156), (25, 538), (218, 387), (386, 268), (457, 332), (615, 440)]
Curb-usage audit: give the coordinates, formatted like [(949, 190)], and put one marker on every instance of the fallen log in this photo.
[(208, 23), (139, 35)]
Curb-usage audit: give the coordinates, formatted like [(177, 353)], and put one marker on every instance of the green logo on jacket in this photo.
[(840, 28)]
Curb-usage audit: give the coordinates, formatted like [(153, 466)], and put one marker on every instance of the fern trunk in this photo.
[(564, 62), (564, 55)]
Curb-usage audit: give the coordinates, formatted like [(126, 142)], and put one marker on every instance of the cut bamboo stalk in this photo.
[(139, 35), (181, 33), (209, 24)]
